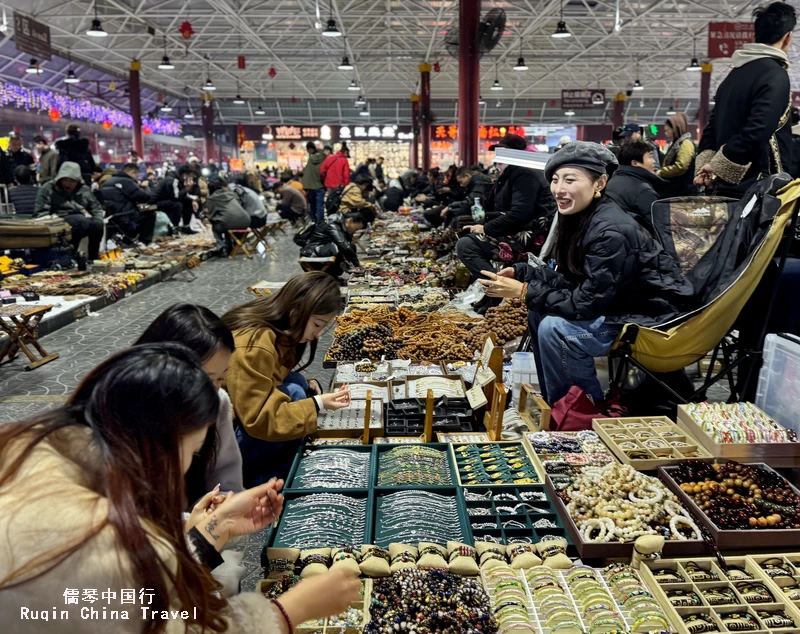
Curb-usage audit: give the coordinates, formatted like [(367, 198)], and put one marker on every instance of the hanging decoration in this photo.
[(272, 72), (112, 85), (147, 129), (436, 67), (54, 114), (530, 112), (107, 125), (186, 30), (292, 146), (241, 137), (16, 96), (294, 99), (240, 62)]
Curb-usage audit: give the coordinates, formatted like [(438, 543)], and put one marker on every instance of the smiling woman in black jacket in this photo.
[(610, 272)]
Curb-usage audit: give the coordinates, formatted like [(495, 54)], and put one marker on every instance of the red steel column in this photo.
[(705, 89), (208, 129), (415, 131), (135, 101), (425, 128), (469, 80), (618, 116)]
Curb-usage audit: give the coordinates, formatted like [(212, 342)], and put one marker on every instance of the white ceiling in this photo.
[(386, 40)]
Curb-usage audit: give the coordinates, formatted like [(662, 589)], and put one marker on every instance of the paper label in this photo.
[(476, 397)]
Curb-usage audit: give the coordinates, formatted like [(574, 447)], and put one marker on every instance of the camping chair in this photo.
[(240, 238), (690, 337)]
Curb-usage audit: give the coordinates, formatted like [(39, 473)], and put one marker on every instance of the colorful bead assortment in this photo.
[(738, 423)]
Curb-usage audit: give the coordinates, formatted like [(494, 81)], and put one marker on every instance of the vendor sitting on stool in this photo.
[(334, 237), (609, 272), (225, 213)]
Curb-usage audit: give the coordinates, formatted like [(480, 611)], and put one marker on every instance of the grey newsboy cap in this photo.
[(591, 156)]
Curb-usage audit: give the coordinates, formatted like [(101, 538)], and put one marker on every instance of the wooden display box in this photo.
[(383, 392), (778, 454), (677, 614), (454, 446), (613, 550), (539, 459), (374, 430), (533, 409), (449, 377), (612, 430), (309, 627), (778, 584), (741, 539)]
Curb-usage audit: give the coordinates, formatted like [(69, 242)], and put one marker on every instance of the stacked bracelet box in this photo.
[(734, 594)]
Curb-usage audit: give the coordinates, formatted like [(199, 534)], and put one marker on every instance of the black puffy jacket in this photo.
[(77, 151), (635, 190), (480, 186), (330, 238), (521, 202), (627, 277), (121, 194)]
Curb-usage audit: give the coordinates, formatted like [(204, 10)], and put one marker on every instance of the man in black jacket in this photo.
[(518, 217), (75, 149), (334, 237), (477, 185), (634, 186), (749, 131), (122, 196), (174, 196)]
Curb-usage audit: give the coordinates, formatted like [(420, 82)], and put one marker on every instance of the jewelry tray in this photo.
[(604, 550), (326, 628), (461, 474), (541, 458), (779, 454), (406, 417), (677, 614), (742, 539), (526, 516), (381, 449), (329, 422), (777, 584), (292, 477), (657, 426)]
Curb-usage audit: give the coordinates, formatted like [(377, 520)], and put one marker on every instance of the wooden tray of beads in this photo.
[(746, 540), (778, 454), (329, 625), (608, 550), (786, 585), (541, 458), (656, 437), (463, 482), (717, 592)]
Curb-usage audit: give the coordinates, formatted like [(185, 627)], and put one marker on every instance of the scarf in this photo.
[(751, 52)]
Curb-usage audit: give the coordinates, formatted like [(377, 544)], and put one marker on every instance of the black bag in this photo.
[(301, 237), (334, 200)]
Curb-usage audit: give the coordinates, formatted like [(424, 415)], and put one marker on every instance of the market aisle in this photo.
[(220, 285)]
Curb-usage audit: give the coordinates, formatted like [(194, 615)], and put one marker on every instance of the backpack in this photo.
[(302, 237), (334, 200)]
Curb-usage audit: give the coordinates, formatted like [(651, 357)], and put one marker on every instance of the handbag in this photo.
[(575, 411)]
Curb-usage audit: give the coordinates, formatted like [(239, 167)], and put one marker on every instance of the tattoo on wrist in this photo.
[(212, 524)]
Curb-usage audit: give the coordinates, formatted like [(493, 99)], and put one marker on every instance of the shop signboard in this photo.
[(583, 99), (32, 37), (325, 133), (372, 132), (485, 132), (726, 37)]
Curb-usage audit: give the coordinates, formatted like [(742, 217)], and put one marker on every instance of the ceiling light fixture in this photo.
[(165, 63), (637, 85), (694, 65), (353, 85), (561, 28), (569, 113), (260, 110), (165, 107), (331, 30), (238, 98), (71, 78), (496, 85), (521, 64), (361, 101), (364, 112), (189, 115), (96, 30), (33, 68), (481, 101), (209, 85), (345, 65)]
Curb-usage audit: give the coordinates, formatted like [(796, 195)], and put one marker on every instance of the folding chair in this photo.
[(21, 324), (261, 236), (685, 340), (240, 238), (316, 264)]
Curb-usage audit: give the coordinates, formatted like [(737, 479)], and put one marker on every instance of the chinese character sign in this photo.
[(724, 38), (485, 132), (583, 99), (32, 37)]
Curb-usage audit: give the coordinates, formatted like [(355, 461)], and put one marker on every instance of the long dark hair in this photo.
[(203, 332), (570, 232), (138, 405), (288, 311)]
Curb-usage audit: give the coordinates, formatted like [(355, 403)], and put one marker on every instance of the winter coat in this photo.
[(225, 212), (635, 190), (627, 277), (53, 199), (6, 168), (335, 170), (48, 165), (330, 238), (393, 199), (379, 173), (60, 485), (521, 202), (678, 167), (250, 200), (480, 186), (294, 200), (21, 157), (750, 120), (76, 150), (353, 199), (311, 177), (794, 168), (23, 197), (227, 468), (121, 194)]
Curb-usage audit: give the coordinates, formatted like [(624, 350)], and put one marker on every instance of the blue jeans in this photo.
[(316, 203), (565, 352), (263, 460)]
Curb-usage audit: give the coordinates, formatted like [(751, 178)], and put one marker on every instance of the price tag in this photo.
[(476, 397)]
